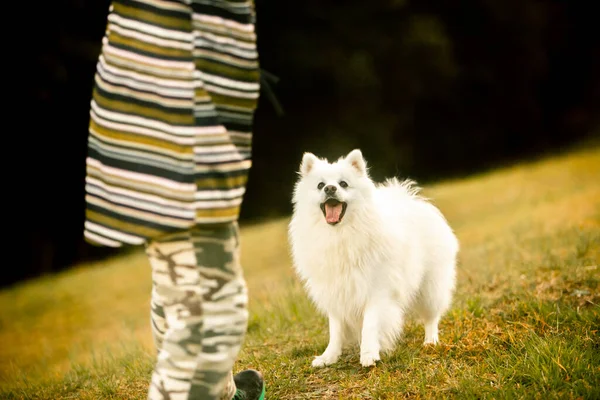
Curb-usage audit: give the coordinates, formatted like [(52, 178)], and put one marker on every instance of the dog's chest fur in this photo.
[(340, 271)]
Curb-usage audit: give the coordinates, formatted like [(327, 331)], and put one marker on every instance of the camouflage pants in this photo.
[(198, 313)]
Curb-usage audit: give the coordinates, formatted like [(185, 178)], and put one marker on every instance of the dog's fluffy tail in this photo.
[(407, 187)]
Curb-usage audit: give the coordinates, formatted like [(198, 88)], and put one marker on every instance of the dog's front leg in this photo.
[(370, 346), (334, 348)]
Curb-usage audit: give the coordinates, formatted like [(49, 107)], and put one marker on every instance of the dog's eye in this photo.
[(343, 184), (320, 186)]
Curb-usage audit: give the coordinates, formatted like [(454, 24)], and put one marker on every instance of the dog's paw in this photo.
[(324, 360), (369, 358), (430, 341), (319, 362)]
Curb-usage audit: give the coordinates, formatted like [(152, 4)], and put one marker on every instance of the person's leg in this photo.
[(199, 316), (225, 314), (176, 315), (158, 321)]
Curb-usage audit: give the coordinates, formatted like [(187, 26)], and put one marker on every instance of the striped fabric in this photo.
[(170, 131)]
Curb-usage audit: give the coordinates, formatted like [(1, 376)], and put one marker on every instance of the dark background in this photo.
[(428, 89)]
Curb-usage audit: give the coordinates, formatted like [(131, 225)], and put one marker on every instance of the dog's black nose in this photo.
[(330, 189)]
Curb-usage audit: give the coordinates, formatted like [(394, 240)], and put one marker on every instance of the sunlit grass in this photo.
[(524, 323)]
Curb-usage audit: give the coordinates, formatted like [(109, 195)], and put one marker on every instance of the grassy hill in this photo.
[(524, 323)]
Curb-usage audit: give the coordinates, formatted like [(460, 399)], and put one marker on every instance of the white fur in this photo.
[(393, 252)]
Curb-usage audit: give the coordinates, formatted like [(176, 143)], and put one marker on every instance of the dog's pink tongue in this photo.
[(332, 213)]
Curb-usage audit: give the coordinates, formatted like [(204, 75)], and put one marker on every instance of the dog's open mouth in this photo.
[(333, 210)]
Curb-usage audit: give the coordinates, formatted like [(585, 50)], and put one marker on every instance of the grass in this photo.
[(524, 322)]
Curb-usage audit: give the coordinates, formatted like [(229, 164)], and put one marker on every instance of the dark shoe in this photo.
[(250, 385)]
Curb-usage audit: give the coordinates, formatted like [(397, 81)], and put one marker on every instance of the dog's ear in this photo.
[(308, 162), (356, 160)]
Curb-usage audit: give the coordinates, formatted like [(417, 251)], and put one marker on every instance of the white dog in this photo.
[(368, 254)]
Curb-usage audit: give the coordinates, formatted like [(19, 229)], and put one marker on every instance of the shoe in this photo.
[(250, 385)]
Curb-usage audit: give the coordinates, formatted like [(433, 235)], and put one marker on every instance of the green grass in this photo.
[(524, 322)]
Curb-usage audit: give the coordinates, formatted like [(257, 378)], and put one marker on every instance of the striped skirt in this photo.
[(170, 133)]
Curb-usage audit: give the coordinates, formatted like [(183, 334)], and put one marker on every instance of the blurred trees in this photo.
[(427, 89)]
